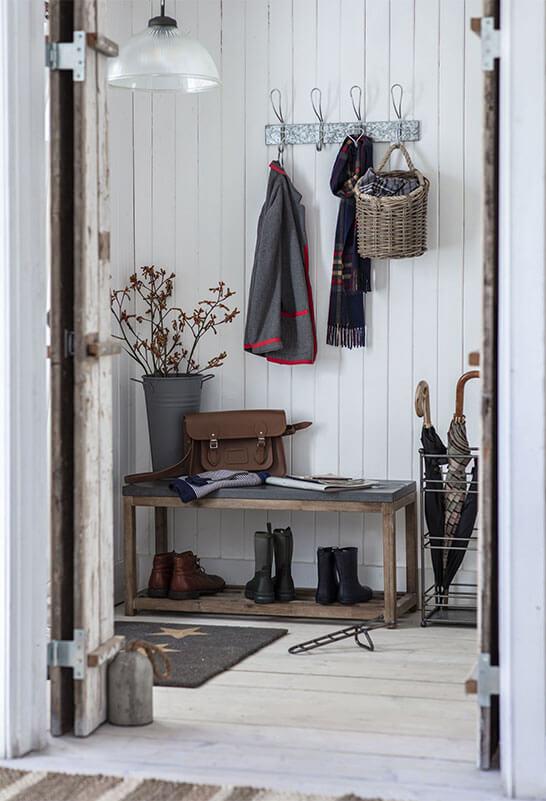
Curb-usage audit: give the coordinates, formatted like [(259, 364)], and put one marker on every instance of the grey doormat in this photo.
[(197, 653), (18, 785)]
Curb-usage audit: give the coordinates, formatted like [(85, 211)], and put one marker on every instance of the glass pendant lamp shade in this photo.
[(163, 59)]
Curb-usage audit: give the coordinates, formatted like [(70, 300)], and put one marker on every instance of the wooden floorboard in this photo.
[(392, 724)]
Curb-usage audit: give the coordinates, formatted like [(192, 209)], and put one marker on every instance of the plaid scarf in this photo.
[(386, 185), (350, 273)]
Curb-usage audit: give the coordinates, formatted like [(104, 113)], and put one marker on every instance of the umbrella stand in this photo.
[(449, 506), (453, 602)]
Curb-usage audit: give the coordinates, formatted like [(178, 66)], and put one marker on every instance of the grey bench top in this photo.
[(382, 492)]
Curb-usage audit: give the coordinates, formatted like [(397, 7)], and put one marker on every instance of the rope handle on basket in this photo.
[(152, 652), (399, 146)]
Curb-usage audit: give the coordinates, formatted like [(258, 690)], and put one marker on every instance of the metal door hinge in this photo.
[(68, 55), (72, 55), (68, 654), (69, 343), (488, 680), (490, 36)]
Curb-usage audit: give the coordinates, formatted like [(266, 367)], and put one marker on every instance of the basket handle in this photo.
[(396, 146)]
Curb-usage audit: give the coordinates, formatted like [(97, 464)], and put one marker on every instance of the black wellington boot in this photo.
[(283, 543), (351, 591), (260, 589), (328, 585)]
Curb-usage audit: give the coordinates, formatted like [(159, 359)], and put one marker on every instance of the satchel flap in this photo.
[(242, 424)]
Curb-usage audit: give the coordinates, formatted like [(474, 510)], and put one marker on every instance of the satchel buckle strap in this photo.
[(261, 439), (213, 442)]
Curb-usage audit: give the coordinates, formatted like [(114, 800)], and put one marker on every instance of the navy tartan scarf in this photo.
[(350, 273)]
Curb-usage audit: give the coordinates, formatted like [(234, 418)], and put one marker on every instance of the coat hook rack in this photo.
[(327, 133)]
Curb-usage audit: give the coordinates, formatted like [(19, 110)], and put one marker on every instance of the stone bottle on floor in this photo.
[(130, 689)]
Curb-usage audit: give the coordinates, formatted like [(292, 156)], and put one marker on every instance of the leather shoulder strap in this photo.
[(174, 471), (293, 427)]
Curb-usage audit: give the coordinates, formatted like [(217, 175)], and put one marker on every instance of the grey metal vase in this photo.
[(168, 399)]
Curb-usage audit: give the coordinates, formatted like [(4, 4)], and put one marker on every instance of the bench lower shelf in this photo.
[(233, 602)]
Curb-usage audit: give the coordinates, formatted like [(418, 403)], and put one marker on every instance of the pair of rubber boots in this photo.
[(338, 577), (263, 589)]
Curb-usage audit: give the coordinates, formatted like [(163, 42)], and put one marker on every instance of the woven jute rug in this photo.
[(18, 785), (197, 653)]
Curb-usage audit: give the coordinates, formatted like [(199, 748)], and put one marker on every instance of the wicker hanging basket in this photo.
[(393, 226)]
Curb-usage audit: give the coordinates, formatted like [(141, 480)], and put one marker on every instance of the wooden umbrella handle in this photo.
[(422, 403), (459, 394)]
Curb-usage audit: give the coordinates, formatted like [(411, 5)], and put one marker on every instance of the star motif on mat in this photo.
[(179, 634), (164, 648)]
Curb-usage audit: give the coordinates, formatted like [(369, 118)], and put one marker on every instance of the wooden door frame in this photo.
[(521, 397), (23, 395)]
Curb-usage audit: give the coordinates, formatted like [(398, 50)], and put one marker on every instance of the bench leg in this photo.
[(389, 565), (412, 579), (161, 530), (129, 549)]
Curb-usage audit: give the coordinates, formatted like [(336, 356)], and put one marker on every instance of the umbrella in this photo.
[(434, 452), (459, 457), (464, 529)]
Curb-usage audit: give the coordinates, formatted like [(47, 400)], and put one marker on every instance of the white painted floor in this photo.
[(392, 724)]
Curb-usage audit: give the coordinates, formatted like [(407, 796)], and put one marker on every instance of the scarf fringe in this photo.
[(346, 337)]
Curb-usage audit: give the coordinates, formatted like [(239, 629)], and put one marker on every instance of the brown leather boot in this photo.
[(190, 580), (161, 575)]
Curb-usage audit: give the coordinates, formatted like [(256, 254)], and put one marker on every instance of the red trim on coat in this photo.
[(273, 166), (285, 361), (263, 342), (295, 313), (310, 302)]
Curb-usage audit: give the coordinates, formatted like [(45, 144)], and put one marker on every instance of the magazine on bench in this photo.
[(321, 483)]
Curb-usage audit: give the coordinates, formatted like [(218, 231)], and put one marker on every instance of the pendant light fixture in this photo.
[(163, 59)]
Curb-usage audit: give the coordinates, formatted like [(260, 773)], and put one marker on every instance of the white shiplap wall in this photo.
[(188, 181)]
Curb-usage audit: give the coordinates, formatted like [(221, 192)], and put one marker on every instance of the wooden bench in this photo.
[(386, 499)]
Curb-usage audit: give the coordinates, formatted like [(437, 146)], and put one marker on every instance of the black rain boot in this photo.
[(260, 589), (328, 584), (351, 591), (283, 542)]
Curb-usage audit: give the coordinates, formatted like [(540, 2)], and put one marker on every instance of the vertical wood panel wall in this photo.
[(188, 180)]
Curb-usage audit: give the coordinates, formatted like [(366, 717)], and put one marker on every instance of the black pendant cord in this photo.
[(162, 21), (356, 631)]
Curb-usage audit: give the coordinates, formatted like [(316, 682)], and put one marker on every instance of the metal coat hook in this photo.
[(319, 115), (357, 108), (397, 109), (277, 110)]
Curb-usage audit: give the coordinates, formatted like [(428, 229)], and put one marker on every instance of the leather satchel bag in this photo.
[(234, 440)]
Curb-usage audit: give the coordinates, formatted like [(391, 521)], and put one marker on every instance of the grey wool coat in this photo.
[(280, 323)]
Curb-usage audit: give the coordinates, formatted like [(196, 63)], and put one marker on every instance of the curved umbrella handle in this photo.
[(459, 393), (422, 403)]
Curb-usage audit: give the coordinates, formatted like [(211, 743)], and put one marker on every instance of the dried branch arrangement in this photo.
[(163, 338)]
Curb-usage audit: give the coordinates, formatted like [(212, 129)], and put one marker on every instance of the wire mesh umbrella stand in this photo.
[(456, 603)]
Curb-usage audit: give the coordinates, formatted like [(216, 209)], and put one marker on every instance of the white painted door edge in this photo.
[(23, 394), (522, 407)]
